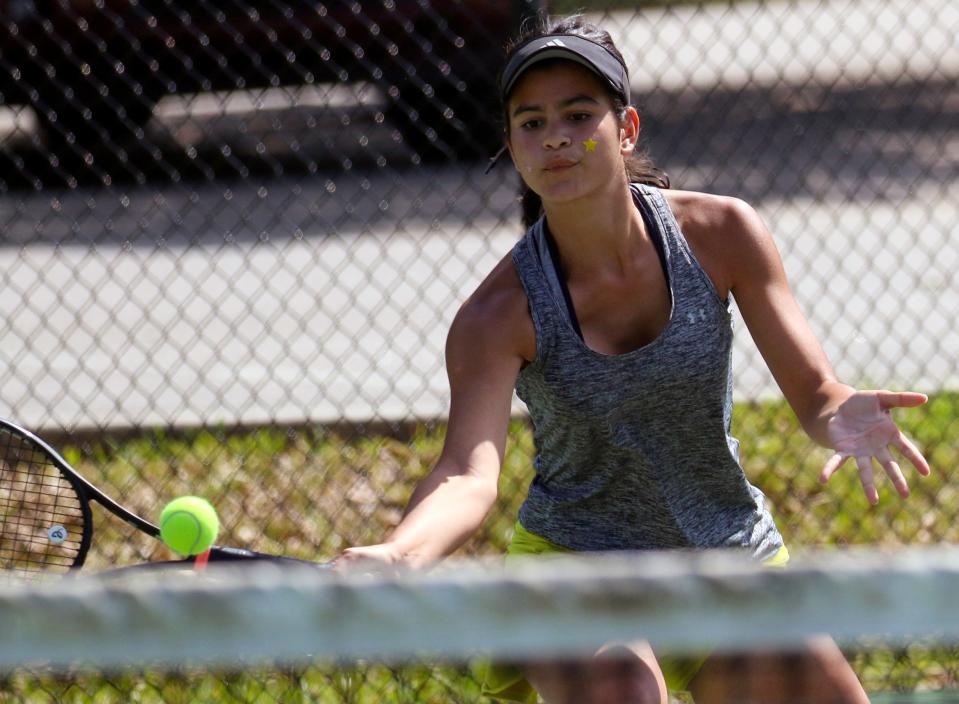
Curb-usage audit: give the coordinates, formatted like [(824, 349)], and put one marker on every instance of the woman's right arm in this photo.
[(484, 353)]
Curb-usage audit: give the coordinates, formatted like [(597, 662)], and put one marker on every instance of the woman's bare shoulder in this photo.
[(497, 312), (704, 214), (725, 233)]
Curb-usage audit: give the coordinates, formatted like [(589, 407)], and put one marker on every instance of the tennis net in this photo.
[(259, 633)]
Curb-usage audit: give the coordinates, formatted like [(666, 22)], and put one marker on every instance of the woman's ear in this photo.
[(629, 131)]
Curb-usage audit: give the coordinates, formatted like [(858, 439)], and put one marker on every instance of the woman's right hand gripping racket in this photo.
[(46, 525)]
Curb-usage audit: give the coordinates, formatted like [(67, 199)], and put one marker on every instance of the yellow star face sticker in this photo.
[(590, 145)]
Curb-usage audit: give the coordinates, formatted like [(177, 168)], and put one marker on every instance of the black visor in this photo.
[(572, 48)]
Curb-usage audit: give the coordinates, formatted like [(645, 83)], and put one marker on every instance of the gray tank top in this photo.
[(633, 451)]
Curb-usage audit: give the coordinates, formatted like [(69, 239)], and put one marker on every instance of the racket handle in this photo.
[(226, 554)]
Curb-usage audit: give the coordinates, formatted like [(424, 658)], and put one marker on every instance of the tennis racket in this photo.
[(46, 525)]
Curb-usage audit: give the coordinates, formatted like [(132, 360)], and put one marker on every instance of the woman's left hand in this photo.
[(863, 428)]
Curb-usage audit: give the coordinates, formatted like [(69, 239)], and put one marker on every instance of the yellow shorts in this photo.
[(507, 683)]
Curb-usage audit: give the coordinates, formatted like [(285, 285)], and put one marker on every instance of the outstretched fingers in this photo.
[(868, 480), (888, 462), (866, 476), (911, 453), (894, 472), (832, 464), (900, 399)]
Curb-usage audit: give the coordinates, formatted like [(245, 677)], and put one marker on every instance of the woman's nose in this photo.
[(556, 139)]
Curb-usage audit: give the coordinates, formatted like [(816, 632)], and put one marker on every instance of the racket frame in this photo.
[(86, 491)]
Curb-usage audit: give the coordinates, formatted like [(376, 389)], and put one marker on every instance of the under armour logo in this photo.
[(555, 42), (696, 315)]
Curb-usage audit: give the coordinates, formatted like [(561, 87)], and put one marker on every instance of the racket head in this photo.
[(46, 525)]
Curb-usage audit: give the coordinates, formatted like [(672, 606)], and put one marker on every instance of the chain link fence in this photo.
[(232, 237)]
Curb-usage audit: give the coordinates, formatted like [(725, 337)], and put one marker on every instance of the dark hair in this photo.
[(639, 165)]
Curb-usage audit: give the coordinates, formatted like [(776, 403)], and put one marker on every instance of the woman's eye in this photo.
[(531, 124), (579, 116)]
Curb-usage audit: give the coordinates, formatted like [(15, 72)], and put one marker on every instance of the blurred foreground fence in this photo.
[(220, 215)]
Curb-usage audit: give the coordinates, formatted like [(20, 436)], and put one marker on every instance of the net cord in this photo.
[(561, 606)]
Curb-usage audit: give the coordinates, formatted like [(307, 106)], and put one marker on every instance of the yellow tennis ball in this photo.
[(188, 525)]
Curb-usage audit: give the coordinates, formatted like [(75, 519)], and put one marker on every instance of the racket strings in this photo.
[(41, 515)]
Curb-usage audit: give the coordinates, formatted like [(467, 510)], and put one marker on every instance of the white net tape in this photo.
[(559, 606)]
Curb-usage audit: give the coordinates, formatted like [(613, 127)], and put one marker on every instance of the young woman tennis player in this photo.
[(611, 319)]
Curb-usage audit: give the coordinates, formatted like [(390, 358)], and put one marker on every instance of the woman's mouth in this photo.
[(558, 164)]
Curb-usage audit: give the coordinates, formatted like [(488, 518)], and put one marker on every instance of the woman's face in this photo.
[(564, 136)]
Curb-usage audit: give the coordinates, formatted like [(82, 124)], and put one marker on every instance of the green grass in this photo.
[(311, 493)]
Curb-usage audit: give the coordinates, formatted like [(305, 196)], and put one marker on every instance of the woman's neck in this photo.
[(602, 234)]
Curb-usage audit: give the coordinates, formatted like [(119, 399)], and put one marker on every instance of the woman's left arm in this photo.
[(854, 423)]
